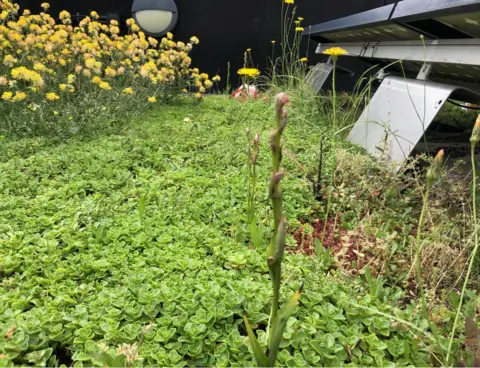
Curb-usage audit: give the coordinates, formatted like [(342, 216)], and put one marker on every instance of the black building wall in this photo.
[(226, 28)]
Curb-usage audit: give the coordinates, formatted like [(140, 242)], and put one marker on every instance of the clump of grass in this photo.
[(474, 139)]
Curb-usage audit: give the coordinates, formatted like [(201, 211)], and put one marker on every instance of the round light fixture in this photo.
[(155, 17)]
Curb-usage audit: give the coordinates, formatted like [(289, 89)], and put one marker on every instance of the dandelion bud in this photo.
[(475, 137), (256, 139), (281, 100), (433, 172), (247, 132), (439, 157)]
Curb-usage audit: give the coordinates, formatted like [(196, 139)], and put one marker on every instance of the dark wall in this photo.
[(226, 28)]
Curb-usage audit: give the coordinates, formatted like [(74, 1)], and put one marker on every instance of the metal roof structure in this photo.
[(431, 49)]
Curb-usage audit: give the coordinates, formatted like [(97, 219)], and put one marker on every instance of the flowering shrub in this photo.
[(57, 78)]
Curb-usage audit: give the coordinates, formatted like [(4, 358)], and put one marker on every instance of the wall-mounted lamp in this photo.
[(155, 17)]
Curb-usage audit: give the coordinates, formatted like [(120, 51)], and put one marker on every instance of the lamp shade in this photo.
[(155, 17)]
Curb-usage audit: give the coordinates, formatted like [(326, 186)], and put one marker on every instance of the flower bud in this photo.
[(247, 132), (256, 139), (475, 137), (281, 100), (433, 172)]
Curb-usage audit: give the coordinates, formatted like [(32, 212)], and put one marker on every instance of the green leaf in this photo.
[(260, 356)]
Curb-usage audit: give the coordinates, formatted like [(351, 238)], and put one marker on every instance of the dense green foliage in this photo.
[(146, 231)]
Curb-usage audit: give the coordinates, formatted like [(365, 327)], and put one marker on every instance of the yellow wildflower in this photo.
[(63, 87), (90, 62), (128, 91), (71, 78), (152, 99), (6, 96), (96, 80), (52, 96), (289, 2), (216, 78), (39, 67), (304, 60), (110, 72), (94, 15), (20, 96), (335, 52), (105, 86), (195, 40), (45, 6), (250, 72), (169, 35), (299, 29), (300, 19)]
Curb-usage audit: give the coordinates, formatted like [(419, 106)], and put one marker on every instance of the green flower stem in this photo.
[(333, 145), (474, 253)]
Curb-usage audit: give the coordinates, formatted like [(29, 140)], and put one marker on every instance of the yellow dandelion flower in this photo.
[(94, 15), (194, 40), (249, 50), (289, 2), (304, 60), (128, 91), (63, 87), (249, 72), (71, 78), (273, 41), (299, 29), (300, 19), (169, 35), (52, 96), (208, 84), (198, 95), (335, 52), (216, 78), (152, 99), (45, 6), (20, 96), (7, 96)]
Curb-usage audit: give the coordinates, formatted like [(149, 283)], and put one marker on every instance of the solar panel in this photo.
[(466, 23), (405, 20), (421, 74)]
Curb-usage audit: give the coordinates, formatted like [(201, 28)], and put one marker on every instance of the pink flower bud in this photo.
[(281, 100)]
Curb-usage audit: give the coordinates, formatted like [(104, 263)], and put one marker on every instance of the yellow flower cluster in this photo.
[(45, 60)]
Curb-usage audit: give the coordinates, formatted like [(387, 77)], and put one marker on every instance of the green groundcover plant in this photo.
[(129, 250)]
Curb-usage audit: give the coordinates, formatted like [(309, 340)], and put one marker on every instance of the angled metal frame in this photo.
[(400, 112)]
